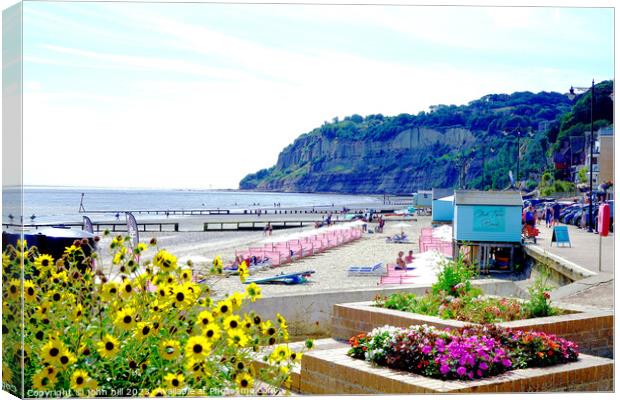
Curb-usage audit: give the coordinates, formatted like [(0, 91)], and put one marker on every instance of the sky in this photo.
[(199, 95)]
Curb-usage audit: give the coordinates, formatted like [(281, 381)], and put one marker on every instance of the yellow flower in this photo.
[(236, 299), (140, 248), (60, 277), (245, 381), (280, 353), (163, 291), (79, 380), (204, 318), (281, 320), (236, 337), (71, 250), (51, 351), (108, 347), (186, 274), (224, 307), (143, 331), (158, 392), (232, 322), (217, 262), (253, 291), (243, 271), (296, 357), (7, 373), (174, 381), (165, 261), (196, 368), (43, 263), (66, 359), (6, 260), (212, 332), (197, 347), (126, 288), (30, 293), (169, 349), (42, 381), (78, 312), (125, 318), (109, 291), (268, 329), (180, 297), (14, 288)]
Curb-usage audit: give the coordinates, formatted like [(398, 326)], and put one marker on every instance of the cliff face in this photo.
[(402, 164), (471, 146)]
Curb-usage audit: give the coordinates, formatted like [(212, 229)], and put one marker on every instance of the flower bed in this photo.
[(453, 297), (468, 353)]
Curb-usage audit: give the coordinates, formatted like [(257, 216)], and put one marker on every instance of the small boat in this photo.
[(282, 278)]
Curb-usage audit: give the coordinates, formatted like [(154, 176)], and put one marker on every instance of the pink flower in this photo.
[(483, 366), (461, 371), (507, 363), (444, 369), (426, 349)]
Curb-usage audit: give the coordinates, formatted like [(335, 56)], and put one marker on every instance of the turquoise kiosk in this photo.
[(487, 227), (443, 206)]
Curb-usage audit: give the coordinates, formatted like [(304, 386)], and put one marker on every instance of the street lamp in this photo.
[(571, 95), (520, 134)]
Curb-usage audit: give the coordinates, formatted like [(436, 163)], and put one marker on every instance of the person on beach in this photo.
[(409, 258), (548, 215), (400, 263), (269, 228)]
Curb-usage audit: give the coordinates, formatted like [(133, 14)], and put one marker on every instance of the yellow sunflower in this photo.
[(125, 318), (7, 373), (170, 349), (44, 263), (78, 313), (236, 299), (181, 298), (66, 359), (79, 380), (30, 292), (212, 332), (14, 289), (43, 381), (174, 381), (236, 337), (108, 347), (158, 392), (51, 351), (109, 291), (224, 307), (165, 261), (204, 318), (232, 322), (126, 289), (244, 381), (197, 347), (143, 330), (280, 353), (186, 274), (253, 292)]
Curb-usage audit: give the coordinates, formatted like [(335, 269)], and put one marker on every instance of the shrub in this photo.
[(146, 328)]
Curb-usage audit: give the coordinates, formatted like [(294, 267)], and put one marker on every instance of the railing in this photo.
[(113, 227)]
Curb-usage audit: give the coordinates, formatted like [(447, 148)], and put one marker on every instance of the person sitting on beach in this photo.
[(400, 263), (409, 258)]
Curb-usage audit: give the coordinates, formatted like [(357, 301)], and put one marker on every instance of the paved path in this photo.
[(584, 249), (597, 290)]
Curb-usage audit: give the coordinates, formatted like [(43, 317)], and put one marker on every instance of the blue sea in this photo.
[(61, 204)]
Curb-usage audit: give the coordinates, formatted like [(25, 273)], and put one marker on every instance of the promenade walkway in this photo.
[(597, 290)]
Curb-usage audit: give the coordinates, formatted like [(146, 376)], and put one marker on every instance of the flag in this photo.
[(132, 229), (87, 224)]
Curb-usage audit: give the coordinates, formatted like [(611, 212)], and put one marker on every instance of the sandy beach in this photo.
[(330, 266)]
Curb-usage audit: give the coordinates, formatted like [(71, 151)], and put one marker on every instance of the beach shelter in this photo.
[(443, 205), (487, 224)]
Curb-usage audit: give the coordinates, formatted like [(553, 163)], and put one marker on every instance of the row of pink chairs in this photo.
[(280, 253), (428, 242), (396, 276)]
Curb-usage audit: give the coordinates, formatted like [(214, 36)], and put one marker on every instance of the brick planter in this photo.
[(333, 372), (590, 328)]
